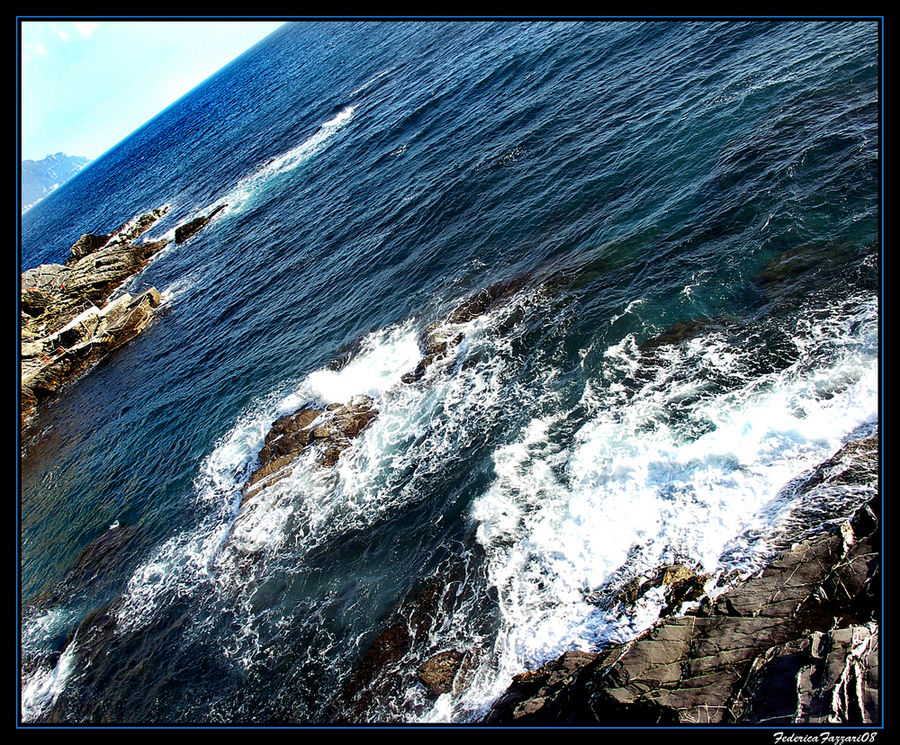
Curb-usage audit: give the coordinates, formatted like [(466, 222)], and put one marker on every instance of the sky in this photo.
[(87, 85)]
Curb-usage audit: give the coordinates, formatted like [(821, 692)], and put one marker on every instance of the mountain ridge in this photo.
[(40, 177)]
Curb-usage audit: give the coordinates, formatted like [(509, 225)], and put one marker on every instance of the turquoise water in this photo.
[(631, 176)]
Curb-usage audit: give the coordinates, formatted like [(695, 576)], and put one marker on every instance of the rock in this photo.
[(483, 300), (393, 661), (99, 560), (88, 243), (49, 362), (678, 333), (188, 229), (68, 323), (441, 338), (438, 672), (682, 584), (823, 677), (331, 429), (795, 643)]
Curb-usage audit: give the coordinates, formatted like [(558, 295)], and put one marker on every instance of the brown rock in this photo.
[(438, 672), (67, 321), (331, 429)]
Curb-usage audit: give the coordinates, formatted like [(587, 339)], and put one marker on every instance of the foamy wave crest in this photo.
[(566, 524), (245, 190), (369, 83), (42, 687)]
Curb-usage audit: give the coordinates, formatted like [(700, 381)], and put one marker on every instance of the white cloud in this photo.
[(32, 48), (85, 28)]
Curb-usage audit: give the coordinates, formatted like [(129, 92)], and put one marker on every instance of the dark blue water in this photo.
[(627, 176)]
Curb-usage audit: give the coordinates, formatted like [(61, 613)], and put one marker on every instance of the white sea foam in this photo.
[(372, 81), (237, 199), (310, 506), (563, 526), (40, 690), (418, 428)]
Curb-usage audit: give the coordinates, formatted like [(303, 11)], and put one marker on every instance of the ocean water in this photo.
[(625, 177)]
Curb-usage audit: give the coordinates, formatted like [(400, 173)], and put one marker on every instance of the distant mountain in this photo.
[(40, 177)]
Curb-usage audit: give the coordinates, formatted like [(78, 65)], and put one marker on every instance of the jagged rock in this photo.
[(436, 348), (132, 229), (681, 583), (441, 338), (824, 677), (806, 624), (67, 322), (331, 429), (88, 243), (49, 362), (483, 300), (552, 695), (438, 672), (185, 231)]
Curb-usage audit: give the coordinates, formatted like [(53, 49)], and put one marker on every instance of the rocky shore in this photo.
[(330, 430), (69, 317), (797, 643)]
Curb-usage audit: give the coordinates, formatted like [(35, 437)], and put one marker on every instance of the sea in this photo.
[(685, 216)]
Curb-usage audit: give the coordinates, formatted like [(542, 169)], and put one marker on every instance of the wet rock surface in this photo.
[(441, 339), (331, 429), (379, 673), (68, 323), (188, 229), (795, 643), (680, 583), (402, 657), (438, 672)]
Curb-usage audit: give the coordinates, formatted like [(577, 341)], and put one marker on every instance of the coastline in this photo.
[(796, 643)]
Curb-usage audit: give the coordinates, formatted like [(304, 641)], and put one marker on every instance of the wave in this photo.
[(565, 524), (372, 81), (248, 187), (684, 458)]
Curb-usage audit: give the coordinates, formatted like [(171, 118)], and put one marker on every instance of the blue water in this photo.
[(634, 175)]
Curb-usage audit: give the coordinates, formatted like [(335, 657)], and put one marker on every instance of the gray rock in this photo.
[(795, 643)]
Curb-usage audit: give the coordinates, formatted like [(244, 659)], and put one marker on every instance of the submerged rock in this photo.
[(795, 643), (401, 656), (95, 564), (438, 672), (681, 331), (436, 349)]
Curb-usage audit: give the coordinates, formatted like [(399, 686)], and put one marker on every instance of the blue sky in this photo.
[(86, 85)]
